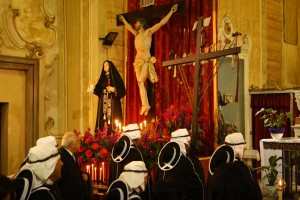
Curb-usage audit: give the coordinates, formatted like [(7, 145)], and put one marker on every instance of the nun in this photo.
[(131, 183), (40, 173), (176, 165), (230, 177)]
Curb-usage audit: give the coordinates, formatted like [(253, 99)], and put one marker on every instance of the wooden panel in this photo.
[(290, 21), (273, 40)]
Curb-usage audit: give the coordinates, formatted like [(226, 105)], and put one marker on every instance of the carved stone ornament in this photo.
[(297, 99), (270, 85), (30, 29)]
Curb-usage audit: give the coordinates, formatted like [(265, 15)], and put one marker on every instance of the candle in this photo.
[(88, 169), (145, 123), (120, 125), (95, 169), (100, 172), (117, 124), (141, 126), (279, 194), (92, 172), (103, 171)]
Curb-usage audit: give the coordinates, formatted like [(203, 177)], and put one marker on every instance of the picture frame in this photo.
[(146, 3), (227, 98)]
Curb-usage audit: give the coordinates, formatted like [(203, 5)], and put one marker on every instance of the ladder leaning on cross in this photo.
[(197, 58)]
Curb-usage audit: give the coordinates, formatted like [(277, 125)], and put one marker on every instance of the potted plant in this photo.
[(271, 173), (274, 121)]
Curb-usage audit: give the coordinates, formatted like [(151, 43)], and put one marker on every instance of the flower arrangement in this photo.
[(159, 133), (272, 119), (95, 147)]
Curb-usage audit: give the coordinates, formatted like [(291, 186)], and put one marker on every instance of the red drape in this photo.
[(176, 35)]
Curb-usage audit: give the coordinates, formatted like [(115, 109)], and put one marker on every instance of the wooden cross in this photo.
[(150, 13), (197, 59)]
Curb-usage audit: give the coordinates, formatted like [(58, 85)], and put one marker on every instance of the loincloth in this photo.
[(138, 64)]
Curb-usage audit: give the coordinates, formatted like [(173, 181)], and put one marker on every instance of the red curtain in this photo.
[(176, 35), (280, 102)]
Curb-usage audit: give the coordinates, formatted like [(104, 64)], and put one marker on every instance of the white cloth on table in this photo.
[(265, 154)]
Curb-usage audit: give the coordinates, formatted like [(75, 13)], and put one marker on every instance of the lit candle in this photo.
[(145, 123), (103, 171), (100, 169), (92, 172), (117, 124), (88, 169), (95, 169), (141, 126), (280, 185), (120, 125)]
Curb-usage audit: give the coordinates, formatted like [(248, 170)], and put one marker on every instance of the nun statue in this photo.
[(110, 89)]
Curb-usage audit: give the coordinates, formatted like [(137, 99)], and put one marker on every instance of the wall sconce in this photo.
[(109, 38)]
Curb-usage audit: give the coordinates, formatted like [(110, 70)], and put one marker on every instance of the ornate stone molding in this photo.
[(25, 36), (297, 99), (268, 86), (49, 125)]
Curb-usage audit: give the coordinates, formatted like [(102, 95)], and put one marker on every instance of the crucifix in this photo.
[(150, 13), (197, 59)]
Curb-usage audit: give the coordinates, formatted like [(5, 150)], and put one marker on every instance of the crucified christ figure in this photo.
[(144, 63)]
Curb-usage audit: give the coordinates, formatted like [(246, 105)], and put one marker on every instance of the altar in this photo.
[(282, 147)]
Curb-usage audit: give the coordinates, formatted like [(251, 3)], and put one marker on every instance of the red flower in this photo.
[(175, 117), (188, 119), (88, 140), (88, 153), (94, 160), (80, 159), (103, 152), (80, 150), (187, 110), (95, 146)]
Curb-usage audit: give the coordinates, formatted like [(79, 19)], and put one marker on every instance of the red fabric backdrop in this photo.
[(176, 35)]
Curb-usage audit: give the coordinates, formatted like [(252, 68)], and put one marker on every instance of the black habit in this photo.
[(188, 173), (234, 181), (109, 105)]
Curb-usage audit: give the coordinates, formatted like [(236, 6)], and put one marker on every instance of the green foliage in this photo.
[(271, 170), (273, 119)]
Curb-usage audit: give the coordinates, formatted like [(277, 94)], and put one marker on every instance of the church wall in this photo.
[(64, 36), (13, 108), (270, 58)]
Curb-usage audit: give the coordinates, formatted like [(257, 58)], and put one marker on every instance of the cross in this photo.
[(151, 12), (197, 59)]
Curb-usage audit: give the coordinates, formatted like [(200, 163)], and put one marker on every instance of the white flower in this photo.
[(260, 111)]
